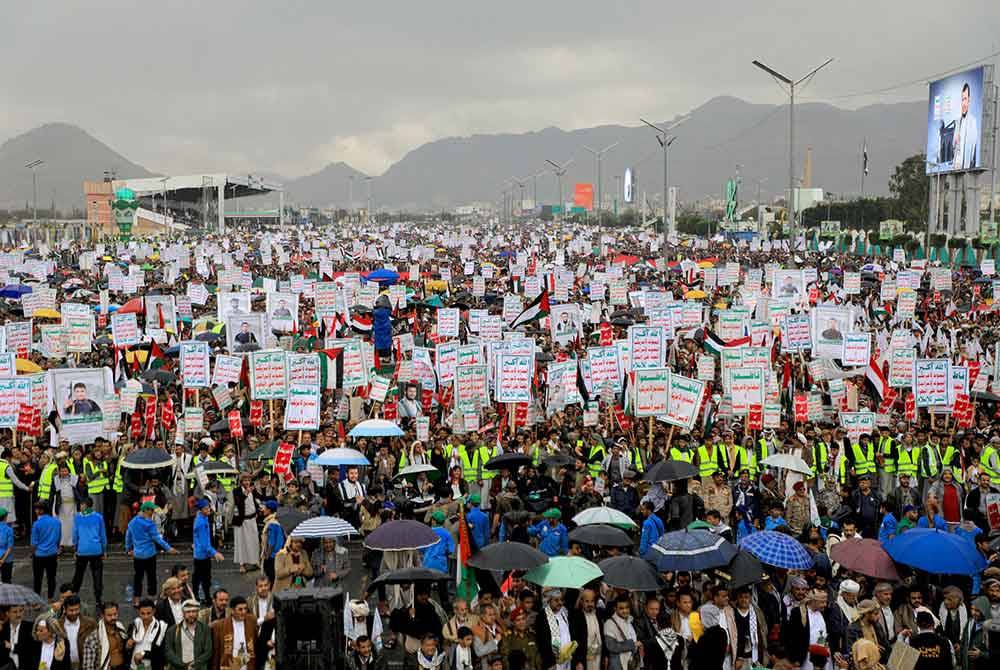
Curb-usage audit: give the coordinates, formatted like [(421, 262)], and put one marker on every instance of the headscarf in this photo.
[(866, 655)]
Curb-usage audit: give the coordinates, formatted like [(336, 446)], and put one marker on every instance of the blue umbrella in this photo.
[(936, 552), (777, 549), (341, 456), (383, 276), (14, 291), (376, 428), (690, 550)]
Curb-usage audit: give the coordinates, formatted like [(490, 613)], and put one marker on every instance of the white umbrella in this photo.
[(376, 428), (608, 515), (788, 462), (341, 456), (324, 526)]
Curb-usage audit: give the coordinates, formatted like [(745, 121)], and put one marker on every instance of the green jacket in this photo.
[(973, 639), (202, 647)]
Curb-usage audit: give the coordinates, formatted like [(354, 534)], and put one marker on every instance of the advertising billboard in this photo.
[(583, 196), (954, 122), (628, 184)]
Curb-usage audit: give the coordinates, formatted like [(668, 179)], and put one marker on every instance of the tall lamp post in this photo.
[(33, 165), (791, 84), (598, 155), (664, 139), (559, 171)]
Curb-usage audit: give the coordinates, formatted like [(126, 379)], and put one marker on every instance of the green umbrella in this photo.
[(564, 572), (698, 524), (265, 451)]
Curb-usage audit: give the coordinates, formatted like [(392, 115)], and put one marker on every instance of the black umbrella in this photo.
[(630, 573), (401, 535), (622, 322), (670, 471), (406, 576), (510, 461), (148, 459), (743, 570), (289, 518), (159, 376), (503, 556), (223, 425), (103, 340), (217, 468), (15, 595), (207, 336), (559, 460), (600, 535), (544, 357)]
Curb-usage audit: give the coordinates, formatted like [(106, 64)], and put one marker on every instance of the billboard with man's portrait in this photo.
[(283, 311), (245, 332), (565, 323), (76, 394), (235, 302), (955, 134)]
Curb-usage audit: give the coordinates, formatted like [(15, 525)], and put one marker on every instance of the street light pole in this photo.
[(665, 142), (559, 171), (34, 188), (599, 155), (791, 135)]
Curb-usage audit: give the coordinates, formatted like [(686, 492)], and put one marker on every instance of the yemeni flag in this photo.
[(873, 373), (466, 586), (362, 322), (715, 344), (536, 310)]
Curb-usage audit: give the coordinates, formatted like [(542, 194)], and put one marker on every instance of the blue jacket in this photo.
[(203, 548), (939, 522), (45, 535), (652, 529), (770, 523), (887, 530), (89, 536), (382, 328), (436, 555), (142, 538), (275, 538), (553, 541), (479, 526), (6, 541)]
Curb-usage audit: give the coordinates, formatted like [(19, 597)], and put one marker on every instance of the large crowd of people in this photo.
[(476, 342)]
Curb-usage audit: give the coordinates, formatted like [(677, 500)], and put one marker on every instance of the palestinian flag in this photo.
[(715, 344), (466, 586), (331, 368), (536, 310), (157, 359)]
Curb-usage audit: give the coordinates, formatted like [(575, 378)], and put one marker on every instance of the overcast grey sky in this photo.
[(289, 86)]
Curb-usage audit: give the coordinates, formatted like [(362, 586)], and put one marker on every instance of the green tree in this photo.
[(909, 187)]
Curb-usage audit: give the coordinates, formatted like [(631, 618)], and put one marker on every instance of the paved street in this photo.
[(118, 574)]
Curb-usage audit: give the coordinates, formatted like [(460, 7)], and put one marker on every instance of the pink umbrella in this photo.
[(865, 556)]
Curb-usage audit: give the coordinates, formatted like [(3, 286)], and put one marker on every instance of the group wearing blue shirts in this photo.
[(652, 529), (553, 538), (6, 548), (436, 555), (142, 541), (91, 541), (45, 535), (204, 550)]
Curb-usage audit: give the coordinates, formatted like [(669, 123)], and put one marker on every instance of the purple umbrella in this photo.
[(401, 535)]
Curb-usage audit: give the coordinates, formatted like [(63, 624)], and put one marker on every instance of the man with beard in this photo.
[(747, 631), (660, 643), (584, 624), (552, 632)]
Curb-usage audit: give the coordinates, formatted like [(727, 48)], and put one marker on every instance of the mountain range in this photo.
[(722, 137)]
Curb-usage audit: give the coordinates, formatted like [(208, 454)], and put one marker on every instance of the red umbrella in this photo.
[(865, 556), (133, 306)]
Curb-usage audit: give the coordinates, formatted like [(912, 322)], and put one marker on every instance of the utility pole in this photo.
[(33, 165), (559, 171), (791, 136)]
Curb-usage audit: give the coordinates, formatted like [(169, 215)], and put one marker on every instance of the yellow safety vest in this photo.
[(820, 456), (708, 463), (951, 459), (6, 484), (764, 451), (637, 460), (226, 482), (686, 455), (842, 471), (97, 476), (45, 481), (864, 463), (885, 449), (485, 454), (931, 466), (906, 461), (470, 471), (989, 451), (596, 466), (119, 484), (747, 458)]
